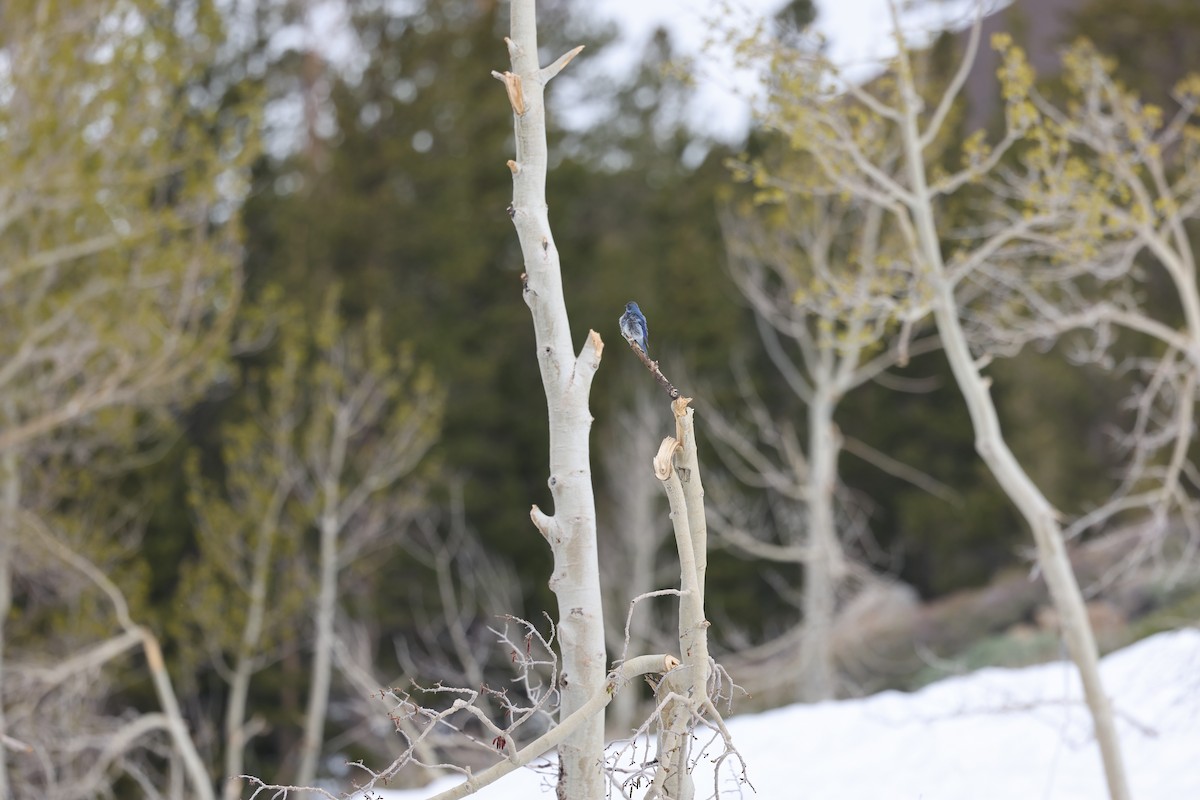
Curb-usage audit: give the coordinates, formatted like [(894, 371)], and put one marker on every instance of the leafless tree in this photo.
[(246, 530), (119, 275), (474, 588), (875, 143), (372, 418), (1120, 183), (828, 292), (567, 380), (561, 669), (70, 744), (685, 695)]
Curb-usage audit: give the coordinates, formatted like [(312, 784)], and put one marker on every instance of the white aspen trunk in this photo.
[(688, 463), (687, 685), (176, 726), (176, 779), (1039, 514), (8, 535), (239, 686), (322, 665), (1042, 519), (193, 764), (235, 728), (318, 689), (822, 563), (567, 379), (693, 554)]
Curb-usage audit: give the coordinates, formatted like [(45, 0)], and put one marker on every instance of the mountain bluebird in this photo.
[(633, 327)]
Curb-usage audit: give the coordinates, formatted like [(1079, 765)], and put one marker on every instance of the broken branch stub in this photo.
[(512, 85)]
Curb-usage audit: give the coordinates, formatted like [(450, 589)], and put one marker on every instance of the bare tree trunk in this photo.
[(8, 534), (1042, 519), (792, 268), (175, 724), (571, 531), (822, 564), (684, 691), (1039, 514), (239, 686), (194, 765), (318, 689)]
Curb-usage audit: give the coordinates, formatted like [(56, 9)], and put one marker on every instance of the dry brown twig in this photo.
[(667, 386)]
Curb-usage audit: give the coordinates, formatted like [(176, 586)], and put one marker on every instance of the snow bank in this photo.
[(997, 734)]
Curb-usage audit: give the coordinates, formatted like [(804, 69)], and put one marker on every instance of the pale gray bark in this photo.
[(571, 531), (369, 426), (820, 314), (9, 503), (823, 567), (247, 660), (326, 607), (1042, 519), (992, 447), (175, 725), (868, 143), (684, 692)]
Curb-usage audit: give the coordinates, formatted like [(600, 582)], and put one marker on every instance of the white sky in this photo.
[(857, 32), (857, 35)]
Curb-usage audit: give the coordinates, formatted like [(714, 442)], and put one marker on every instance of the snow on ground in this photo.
[(997, 734)]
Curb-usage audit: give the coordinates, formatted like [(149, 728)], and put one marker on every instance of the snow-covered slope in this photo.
[(992, 735)]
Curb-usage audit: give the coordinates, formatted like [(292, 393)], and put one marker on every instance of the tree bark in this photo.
[(823, 561), (8, 534), (567, 379), (185, 747), (318, 692), (1042, 519), (322, 665), (1038, 512), (239, 686), (683, 691)]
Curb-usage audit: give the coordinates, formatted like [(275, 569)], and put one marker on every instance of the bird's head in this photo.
[(632, 307)]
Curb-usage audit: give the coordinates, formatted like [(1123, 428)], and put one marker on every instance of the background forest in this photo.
[(278, 352)]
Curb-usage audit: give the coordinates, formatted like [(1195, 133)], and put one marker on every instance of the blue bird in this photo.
[(633, 327)]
